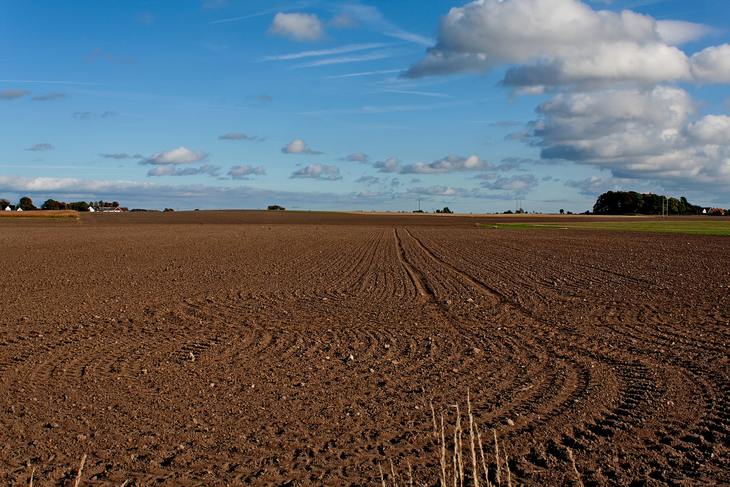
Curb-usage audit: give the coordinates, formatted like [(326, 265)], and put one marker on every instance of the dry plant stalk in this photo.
[(81, 468), (575, 468), (456, 477), (483, 458), (509, 474), (455, 461), (433, 417), (459, 446), (443, 453), (392, 472), (496, 457), (474, 468)]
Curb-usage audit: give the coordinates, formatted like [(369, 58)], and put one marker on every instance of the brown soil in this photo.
[(303, 349)]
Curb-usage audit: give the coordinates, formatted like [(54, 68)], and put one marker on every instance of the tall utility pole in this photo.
[(419, 205)]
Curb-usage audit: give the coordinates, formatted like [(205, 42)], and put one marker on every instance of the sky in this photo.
[(479, 106)]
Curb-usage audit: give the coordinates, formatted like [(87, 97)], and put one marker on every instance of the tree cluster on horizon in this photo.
[(26, 204), (633, 203)]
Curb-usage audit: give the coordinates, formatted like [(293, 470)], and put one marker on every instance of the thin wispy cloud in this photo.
[(364, 74), (396, 108), (42, 147), (146, 18), (239, 136), (121, 155), (98, 54), (429, 94), (262, 13), (326, 52), (47, 82), (207, 169), (348, 59), (91, 115), (49, 97), (343, 21), (213, 4), (243, 17), (12, 94), (370, 16), (409, 36)]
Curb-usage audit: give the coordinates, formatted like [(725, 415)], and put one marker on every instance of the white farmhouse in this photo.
[(91, 209), (7, 208), (19, 209)]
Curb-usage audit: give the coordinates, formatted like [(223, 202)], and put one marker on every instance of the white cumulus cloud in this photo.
[(181, 155), (552, 43), (518, 184), (297, 26), (318, 171), (356, 157), (172, 170), (244, 172), (298, 146), (712, 65), (448, 164), (634, 133), (390, 164)]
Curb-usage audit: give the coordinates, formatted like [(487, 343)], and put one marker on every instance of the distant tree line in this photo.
[(52, 204), (26, 204), (60, 205), (631, 202)]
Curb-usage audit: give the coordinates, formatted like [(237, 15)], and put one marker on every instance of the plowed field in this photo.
[(305, 349)]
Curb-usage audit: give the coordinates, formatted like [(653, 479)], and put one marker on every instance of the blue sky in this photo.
[(364, 105)]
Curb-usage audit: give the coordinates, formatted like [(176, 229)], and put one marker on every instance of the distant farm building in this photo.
[(91, 209), (19, 209), (7, 208)]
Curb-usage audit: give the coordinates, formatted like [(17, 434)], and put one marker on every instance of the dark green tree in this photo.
[(78, 206), (26, 204), (51, 204), (631, 202)]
